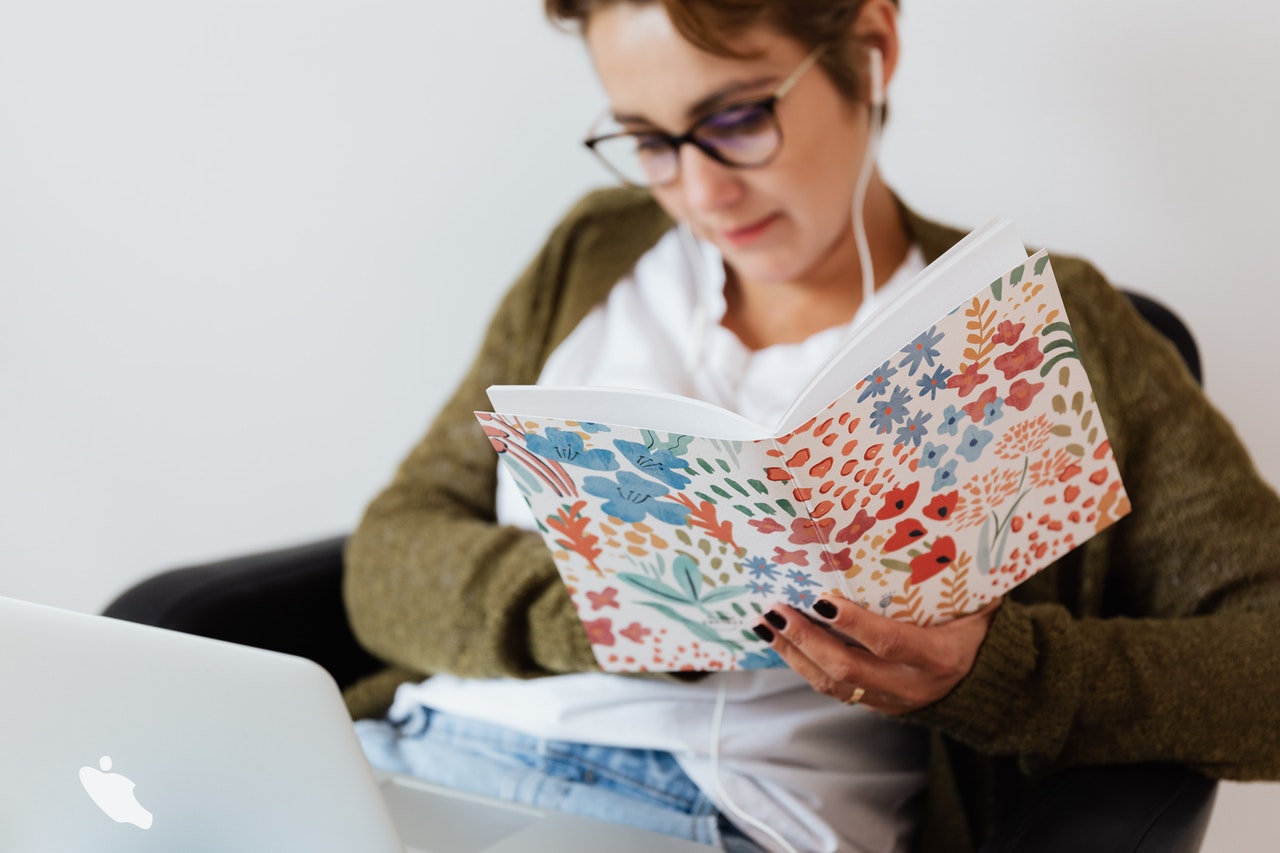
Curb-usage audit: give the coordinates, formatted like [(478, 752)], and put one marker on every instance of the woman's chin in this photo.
[(763, 267)]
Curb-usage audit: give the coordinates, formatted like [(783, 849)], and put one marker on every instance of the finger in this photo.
[(827, 647), (820, 679), (885, 638), (827, 660)]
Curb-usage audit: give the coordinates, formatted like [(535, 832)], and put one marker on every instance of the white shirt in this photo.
[(826, 776)]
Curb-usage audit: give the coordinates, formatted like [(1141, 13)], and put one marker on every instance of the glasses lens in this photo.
[(743, 134), (638, 158)]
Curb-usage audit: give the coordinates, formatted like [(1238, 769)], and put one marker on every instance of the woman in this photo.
[(752, 120)]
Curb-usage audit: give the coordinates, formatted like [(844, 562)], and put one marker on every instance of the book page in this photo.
[(655, 410)]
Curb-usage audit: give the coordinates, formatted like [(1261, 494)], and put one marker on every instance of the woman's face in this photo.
[(780, 222)]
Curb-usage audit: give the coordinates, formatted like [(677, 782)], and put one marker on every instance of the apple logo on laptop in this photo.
[(113, 793)]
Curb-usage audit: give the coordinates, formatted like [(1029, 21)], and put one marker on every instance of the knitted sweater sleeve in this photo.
[(1159, 640), (432, 582)]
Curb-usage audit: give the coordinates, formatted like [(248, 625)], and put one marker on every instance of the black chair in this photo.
[(291, 601)]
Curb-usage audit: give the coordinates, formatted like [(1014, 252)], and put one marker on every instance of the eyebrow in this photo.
[(707, 103)]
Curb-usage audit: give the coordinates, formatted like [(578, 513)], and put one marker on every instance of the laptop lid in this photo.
[(122, 738)]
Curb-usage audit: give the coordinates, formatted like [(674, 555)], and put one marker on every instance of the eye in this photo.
[(649, 144), (737, 120)]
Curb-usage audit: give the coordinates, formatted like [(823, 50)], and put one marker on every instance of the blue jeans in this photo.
[(637, 787)]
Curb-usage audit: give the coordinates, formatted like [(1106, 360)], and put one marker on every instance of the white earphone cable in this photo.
[(729, 805), (864, 179)]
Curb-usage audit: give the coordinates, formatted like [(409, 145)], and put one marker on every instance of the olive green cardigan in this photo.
[(1158, 640)]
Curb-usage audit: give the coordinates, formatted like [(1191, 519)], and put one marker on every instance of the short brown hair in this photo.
[(711, 24)]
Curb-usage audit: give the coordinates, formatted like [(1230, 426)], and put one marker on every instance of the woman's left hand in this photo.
[(894, 667)]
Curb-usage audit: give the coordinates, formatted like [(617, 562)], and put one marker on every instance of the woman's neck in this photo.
[(764, 314)]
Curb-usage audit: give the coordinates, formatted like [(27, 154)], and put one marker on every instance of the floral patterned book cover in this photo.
[(968, 460)]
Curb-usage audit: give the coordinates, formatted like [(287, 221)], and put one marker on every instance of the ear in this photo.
[(877, 26)]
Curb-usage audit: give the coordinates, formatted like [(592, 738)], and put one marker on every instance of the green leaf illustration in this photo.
[(654, 587), (688, 578), (723, 593), (1041, 264), (702, 632)]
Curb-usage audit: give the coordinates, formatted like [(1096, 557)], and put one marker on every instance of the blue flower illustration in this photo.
[(973, 442), (799, 597), (914, 429), (800, 578), (951, 417), (931, 454), (932, 383), (567, 447), (587, 426), (945, 477), (921, 351), (877, 381), (631, 497), (762, 568), (659, 464), (760, 588), (888, 413), (992, 412), (766, 659)]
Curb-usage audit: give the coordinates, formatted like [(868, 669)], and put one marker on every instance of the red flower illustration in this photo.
[(635, 632), (942, 506), (599, 632), (608, 598), (838, 562), (967, 379), (799, 558), (977, 409), (941, 555), (1022, 392), (1024, 356), (898, 501), (907, 531), (862, 522), (766, 525), (805, 531), (1007, 333)]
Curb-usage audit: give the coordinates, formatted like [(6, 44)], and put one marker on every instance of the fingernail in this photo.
[(763, 632), (825, 609), (775, 619)]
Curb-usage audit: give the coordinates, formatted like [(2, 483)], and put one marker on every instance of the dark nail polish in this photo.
[(825, 609), (763, 632), (775, 619)]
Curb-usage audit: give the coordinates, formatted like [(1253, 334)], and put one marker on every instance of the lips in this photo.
[(750, 232)]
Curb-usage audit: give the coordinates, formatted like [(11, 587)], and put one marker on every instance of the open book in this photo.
[(949, 450)]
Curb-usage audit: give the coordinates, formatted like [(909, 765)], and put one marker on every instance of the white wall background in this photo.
[(247, 247)]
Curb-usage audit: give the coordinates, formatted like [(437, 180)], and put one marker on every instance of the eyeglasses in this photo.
[(742, 135)]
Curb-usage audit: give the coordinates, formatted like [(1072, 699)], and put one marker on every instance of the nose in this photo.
[(706, 185)]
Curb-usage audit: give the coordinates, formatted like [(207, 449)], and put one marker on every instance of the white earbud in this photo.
[(877, 77)]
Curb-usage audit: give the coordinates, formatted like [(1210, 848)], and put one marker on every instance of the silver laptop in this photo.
[(121, 738)]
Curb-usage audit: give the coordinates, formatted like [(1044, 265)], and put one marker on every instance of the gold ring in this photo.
[(856, 696)]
